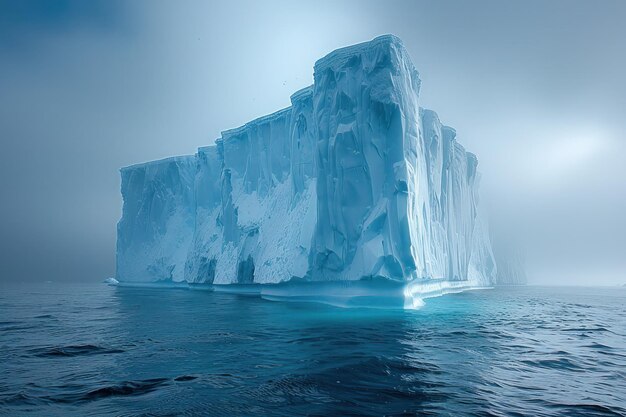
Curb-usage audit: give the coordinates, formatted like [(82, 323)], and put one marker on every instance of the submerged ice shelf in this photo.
[(364, 293), (352, 182)]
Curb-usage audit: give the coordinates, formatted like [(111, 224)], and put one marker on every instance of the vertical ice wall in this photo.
[(457, 235), (260, 228), (353, 180), (157, 223), (365, 107)]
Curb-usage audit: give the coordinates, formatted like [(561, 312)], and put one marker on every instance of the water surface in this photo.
[(90, 349)]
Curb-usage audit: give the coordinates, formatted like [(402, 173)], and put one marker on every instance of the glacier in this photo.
[(353, 184)]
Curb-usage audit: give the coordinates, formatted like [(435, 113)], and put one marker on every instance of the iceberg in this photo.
[(353, 182)]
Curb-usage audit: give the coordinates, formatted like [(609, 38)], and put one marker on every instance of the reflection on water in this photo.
[(80, 349)]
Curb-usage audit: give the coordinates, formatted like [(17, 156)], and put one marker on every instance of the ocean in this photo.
[(92, 349)]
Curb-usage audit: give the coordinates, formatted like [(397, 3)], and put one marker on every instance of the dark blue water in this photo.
[(98, 350)]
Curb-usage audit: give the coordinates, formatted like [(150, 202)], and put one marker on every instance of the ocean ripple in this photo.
[(99, 350)]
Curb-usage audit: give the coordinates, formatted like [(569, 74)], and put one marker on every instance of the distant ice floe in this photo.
[(111, 281)]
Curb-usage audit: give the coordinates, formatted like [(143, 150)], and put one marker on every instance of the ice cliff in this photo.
[(352, 181)]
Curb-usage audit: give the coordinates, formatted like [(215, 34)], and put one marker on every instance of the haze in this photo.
[(536, 89)]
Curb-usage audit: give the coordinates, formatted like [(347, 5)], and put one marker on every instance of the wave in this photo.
[(73, 350), (127, 388)]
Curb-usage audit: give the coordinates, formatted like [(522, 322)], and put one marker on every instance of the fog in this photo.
[(535, 89)]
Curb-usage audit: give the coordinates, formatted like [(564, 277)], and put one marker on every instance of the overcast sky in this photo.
[(537, 89)]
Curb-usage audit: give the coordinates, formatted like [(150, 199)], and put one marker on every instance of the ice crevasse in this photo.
[(353, 183)]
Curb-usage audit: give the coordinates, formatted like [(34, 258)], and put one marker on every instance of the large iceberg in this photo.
[(352, 182)]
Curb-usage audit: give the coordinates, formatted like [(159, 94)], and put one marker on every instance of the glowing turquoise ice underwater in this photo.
[(93, 349)]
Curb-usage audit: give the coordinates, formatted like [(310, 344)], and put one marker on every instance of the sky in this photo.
[(536, 89)]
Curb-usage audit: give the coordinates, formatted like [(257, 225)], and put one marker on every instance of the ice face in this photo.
[(157, 224), (354, 180)]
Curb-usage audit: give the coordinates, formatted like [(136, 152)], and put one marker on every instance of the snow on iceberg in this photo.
[(353, 181)]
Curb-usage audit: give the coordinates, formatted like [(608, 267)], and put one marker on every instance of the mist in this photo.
[(535, 89)]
